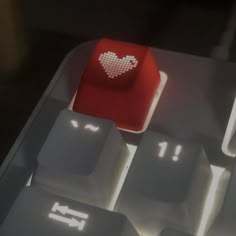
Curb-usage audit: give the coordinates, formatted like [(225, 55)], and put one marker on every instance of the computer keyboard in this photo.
[(144, 172)]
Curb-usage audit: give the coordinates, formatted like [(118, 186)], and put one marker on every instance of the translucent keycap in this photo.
[(166, 185), (37, 213), (82, 158)]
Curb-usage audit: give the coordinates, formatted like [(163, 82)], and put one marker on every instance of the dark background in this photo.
[(54, 27)]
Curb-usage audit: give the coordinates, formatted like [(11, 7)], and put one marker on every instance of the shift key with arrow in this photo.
[(37, 212)]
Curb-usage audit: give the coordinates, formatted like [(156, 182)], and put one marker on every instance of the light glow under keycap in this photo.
[(208, 208), (231, 128), (210, 199)]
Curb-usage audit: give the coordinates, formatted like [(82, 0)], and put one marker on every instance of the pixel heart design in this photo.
[(114, 66)]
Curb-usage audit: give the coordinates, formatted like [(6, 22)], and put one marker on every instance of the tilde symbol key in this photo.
[(114, 66)]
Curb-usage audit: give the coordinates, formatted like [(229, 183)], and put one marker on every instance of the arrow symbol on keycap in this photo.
[(71, 222), (65, 210)]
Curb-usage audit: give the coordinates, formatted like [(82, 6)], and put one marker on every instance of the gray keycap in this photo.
[(166, 185), (82, 158), (173, 232), (39, 213)]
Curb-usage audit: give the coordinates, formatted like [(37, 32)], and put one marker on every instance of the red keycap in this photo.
[(121, 82)]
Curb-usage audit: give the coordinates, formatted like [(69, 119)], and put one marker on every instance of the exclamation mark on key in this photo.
[(177, 152)]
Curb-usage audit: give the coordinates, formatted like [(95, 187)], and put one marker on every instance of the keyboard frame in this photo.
[(187, 75)]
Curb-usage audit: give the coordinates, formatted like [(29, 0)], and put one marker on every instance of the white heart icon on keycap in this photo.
[(114, 66)]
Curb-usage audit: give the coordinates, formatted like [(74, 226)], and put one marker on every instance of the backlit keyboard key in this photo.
[(122, 83), (166, 185), (82, 158), (39, 213)]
